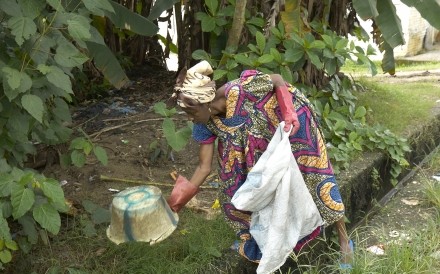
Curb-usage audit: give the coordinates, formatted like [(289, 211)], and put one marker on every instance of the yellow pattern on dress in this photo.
[(314, 161), (324, 194)]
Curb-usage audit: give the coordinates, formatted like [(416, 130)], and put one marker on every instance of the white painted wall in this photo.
[(413, 27)]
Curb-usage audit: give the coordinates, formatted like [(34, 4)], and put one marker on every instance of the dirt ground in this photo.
[(125, 125)]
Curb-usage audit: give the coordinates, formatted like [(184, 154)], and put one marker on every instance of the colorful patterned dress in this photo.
[(252, 116)]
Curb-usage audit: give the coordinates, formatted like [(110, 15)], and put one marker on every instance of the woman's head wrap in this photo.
[(195, 84)]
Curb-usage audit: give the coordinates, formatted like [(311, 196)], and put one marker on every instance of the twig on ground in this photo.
[(105, 178), (96, 134)]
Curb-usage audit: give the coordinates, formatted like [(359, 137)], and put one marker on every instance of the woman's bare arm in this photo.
[(206, 153)]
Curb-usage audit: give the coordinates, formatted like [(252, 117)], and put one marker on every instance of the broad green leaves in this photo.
[(34, 105), (22, 200), (366, 9), (22, 28), (176, 139), (126, 19), (79, 27), (159, 7), (15, 82), (47, 217), (429, 10), (56, 77), (107, 63), (389, 23)]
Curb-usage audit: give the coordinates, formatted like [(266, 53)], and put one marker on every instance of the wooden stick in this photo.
[(96, 134), (105, 178)]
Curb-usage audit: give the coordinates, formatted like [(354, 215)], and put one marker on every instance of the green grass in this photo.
[(400, 105), (195, 245), (351, 67)]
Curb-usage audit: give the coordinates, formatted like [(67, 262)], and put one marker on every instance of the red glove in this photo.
[(182, 193), (284, 98)]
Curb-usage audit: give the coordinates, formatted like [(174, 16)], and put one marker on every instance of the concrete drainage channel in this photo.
[(366, 182)]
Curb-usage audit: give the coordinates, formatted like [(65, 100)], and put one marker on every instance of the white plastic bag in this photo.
[(283, 209)]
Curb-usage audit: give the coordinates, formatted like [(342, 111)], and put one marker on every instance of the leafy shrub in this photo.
[(42, 44)]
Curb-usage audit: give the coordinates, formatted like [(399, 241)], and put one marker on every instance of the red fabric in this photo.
[(284, 98), (182, 193)]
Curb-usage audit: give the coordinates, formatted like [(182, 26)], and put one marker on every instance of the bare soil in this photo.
[(124, 123)]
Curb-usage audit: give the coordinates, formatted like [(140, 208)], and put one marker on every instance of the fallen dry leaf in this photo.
[(410, 202)]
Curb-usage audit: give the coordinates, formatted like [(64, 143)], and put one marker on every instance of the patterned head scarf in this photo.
[(195, 84)]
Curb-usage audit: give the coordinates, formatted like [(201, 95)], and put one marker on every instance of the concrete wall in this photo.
[(417, 32)]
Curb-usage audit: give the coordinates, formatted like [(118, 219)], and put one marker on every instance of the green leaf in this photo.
[(11, 8), (266, 58), (256, 21), (61, 110), (101, 215), (428, 9), (41, 54), (89, 206), (159, 7), (389, 23), (34, 105), (4, 229), (219, 73), (47, 217), (78, 158), (315, 60), (6, 183), (330, 66), (15, 82), (327, 39), (78, 143), (243, 59), (360, 112), (107, 64), (54, 192), (261, 41), (57, 77), (31, 8), (161, 109), (67, 55), (79, 27), (89, 229), (22, 28), (56, 4), (22, 200), (29, 228), (200, 54), (294, 54), (5, 256), (317, 44), (101, 154), (276, 55), (208, 23), (176, 140), (366, 9), (388, 62), (12, 245), (98, 7), (126, 19), (212, 6), (286, 73)]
